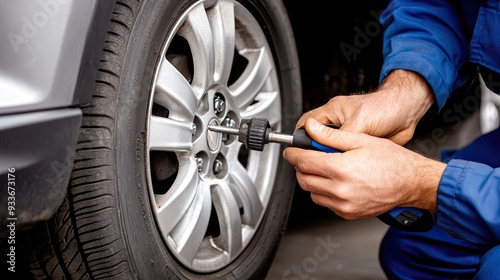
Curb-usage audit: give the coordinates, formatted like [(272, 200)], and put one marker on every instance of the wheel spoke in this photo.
[(222, 22), (175, 93), (245, 193), (187, 236), (230, 238), (231, 151), (258, 161), (169, 135), (251, 81), (267, 106), (197, 32), (178, 199)]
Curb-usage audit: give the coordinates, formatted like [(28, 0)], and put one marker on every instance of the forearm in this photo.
[(411, 92), (428, 173)]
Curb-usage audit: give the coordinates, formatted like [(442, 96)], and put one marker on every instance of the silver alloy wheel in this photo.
[(209, 195)]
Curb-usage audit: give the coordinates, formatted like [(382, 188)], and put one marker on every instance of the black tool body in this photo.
[(302, 140)]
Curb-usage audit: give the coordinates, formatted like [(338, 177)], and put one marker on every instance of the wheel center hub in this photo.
[(213, 138)]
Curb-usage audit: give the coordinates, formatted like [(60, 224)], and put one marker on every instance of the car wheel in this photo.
[(155, 194)]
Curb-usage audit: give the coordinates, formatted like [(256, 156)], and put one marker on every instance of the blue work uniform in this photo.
[(448, 42)]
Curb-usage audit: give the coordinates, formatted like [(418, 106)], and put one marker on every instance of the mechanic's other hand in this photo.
[(372, 175), (392, 111)]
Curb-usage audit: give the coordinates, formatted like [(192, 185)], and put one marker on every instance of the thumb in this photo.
[(335, 138)]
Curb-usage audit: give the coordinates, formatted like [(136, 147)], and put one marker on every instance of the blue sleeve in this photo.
[(469, 202), (428, 37)]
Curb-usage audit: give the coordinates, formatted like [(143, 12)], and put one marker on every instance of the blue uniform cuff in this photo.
[(467, 202), (447, 194), (424, 67)]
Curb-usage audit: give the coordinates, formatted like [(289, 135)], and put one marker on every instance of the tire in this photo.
[(154, 194)]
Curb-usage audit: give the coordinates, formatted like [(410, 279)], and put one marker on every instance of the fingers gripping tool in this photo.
[(254, 133)]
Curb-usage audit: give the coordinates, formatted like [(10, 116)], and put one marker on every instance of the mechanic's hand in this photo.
[(372, 176), (392, 111)]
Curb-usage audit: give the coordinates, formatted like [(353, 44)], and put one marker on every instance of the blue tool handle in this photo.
[(403, 218), (326, 149)]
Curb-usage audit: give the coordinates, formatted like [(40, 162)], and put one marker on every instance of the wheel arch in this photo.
[(91, 55)]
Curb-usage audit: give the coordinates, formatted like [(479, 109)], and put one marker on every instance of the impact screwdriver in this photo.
[(254, 133)]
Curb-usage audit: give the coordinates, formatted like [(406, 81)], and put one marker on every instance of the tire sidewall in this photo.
[(147, 252)]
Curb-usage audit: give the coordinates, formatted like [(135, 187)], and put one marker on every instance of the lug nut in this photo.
[(229, 122), (193, 129), (199, 163), (219, 104), (218, 165)]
